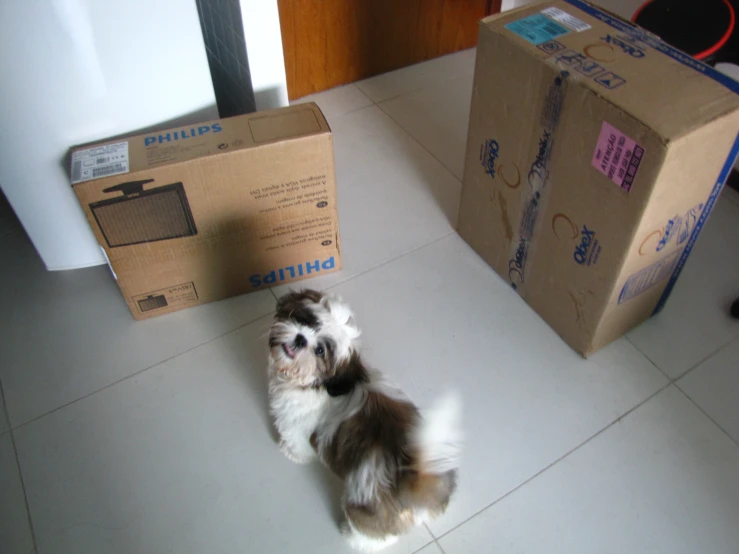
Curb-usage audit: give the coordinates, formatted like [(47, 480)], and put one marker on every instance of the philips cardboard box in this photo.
[(595, 155), (196, 214)]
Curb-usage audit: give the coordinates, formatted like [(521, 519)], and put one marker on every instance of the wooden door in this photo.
[(328, 43)]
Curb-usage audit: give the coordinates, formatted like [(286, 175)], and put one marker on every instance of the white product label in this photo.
[(100, 161), (577, 25)]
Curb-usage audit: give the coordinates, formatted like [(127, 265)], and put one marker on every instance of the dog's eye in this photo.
[(320, 351)]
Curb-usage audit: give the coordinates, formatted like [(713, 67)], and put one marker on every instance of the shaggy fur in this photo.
[(399, 468)]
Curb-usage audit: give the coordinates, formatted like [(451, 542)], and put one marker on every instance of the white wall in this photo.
[(264, 50), (75, 71)]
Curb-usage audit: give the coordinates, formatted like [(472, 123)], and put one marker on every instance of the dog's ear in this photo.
[(342, 314), (348, 374), (295, 300), (298, 297)]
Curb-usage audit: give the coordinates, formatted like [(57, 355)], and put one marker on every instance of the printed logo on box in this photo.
[(489, 155), (307, 269), (182, 134), (629, 45), (643, 280), (580, 63), (588, 251), (617, 156), (678, 227), (552, 47), (587, 247), (610, 80)]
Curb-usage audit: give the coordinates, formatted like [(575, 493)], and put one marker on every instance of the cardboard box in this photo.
[(595, 154), (196, 214)]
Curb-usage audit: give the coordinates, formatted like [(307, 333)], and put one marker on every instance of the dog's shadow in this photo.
[(251, 357), (332, 486)]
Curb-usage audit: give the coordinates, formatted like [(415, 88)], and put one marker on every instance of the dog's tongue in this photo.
[(289, 351)]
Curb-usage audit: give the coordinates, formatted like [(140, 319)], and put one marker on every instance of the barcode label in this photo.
[(550, 28), (537, 29), (100, 161), (570, 21), (76, 171), (177, 295), (153, 303), (108, 170)]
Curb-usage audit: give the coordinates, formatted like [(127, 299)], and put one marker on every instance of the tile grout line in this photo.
[(417, 550), (646, 356), (704, 412), (352, 111), (705, 359), (25, 494), (395, 258), (20, 473), (6, 413), (140, 371), (365, 95), (378, 105), (272, 290), (339, 116), (432, 541), (381, 264), (691, 368), (433, 538), (724, 431), (412, 90), (409, 92), (274, 295), (442, 164), (418, 89), (555, 462)]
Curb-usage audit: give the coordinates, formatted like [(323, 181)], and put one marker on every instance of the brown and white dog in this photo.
[(399, 468)]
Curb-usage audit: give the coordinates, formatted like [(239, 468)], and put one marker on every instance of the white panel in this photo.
[(76, 71)]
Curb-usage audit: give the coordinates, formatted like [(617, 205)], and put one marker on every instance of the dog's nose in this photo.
[(300, 341)]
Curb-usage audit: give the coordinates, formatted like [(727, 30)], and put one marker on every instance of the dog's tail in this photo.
[(438, 438)]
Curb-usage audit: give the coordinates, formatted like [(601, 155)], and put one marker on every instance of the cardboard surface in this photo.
[(192, 215), (595, 154)]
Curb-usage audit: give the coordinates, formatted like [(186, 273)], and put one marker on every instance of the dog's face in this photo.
[(313, 335)]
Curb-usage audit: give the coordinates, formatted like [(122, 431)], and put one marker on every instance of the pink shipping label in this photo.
[(617, 156)]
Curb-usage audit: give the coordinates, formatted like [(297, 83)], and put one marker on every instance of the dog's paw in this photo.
[(293, 456), (345, 528)]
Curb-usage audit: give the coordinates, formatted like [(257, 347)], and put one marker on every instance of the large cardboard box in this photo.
[(595, 154), (196, 214)]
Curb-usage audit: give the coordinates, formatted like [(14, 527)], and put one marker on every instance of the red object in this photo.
[(639, 10), (718, 45)]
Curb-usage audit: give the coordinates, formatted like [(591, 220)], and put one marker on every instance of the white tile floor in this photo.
[(152, 437)]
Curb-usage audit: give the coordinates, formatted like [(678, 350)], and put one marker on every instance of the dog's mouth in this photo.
[(289, 352)]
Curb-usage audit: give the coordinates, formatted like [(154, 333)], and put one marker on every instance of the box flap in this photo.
[(665, 89), (181, 144)]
